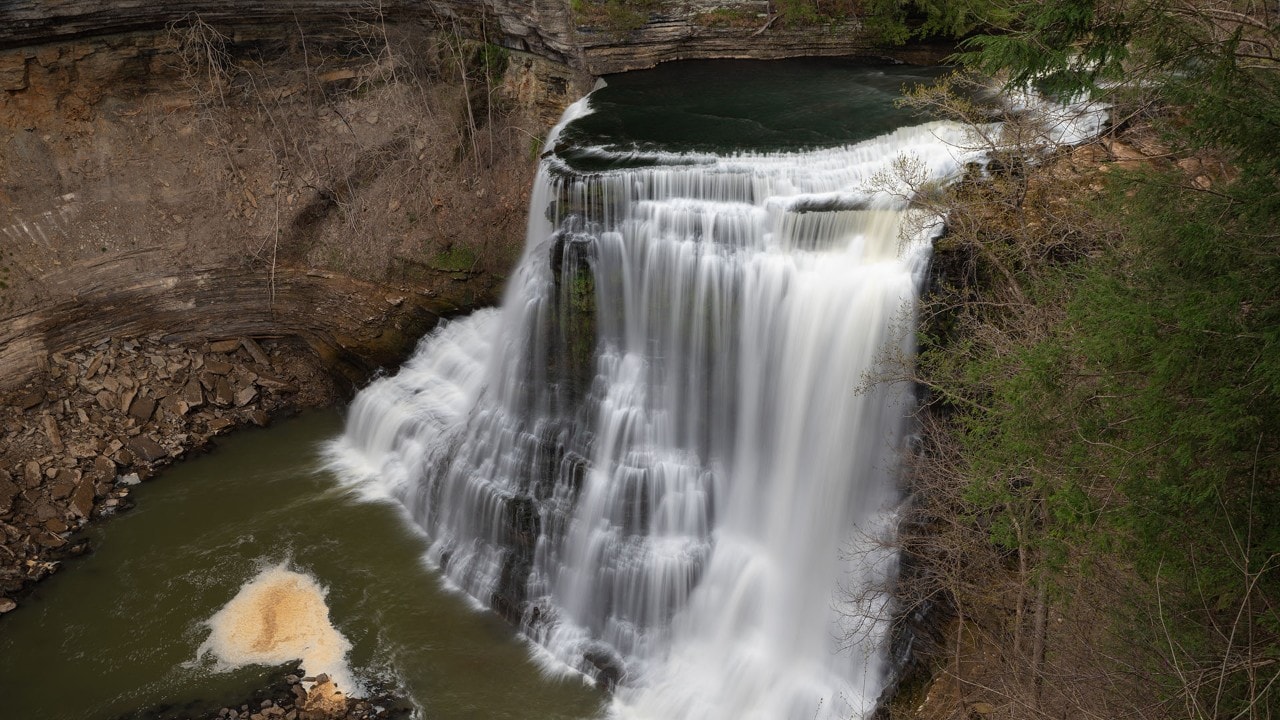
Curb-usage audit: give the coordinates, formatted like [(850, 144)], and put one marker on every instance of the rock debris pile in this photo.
[(322, 701), (289, 696), (100, 420)]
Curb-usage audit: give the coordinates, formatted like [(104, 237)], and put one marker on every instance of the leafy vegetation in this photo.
[(616, 17), (814, 12), (455, 258), (1101, 464)]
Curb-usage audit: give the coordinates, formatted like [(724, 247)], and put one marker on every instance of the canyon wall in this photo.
[(581, 35), (206, 170)]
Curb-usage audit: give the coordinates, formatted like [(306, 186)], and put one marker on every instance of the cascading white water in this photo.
[(655, 456)]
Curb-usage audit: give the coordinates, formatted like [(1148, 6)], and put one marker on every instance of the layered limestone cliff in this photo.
[(586, 35), (204, 181), (207, 169)]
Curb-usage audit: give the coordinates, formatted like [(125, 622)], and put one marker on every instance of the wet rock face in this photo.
[(99, 420)]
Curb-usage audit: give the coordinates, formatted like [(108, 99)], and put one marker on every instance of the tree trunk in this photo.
[(1038, 642)]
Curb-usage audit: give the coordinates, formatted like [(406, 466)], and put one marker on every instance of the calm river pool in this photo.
[(118, 630)]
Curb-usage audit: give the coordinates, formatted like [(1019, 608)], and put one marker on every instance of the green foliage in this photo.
[(1063, 47), (727, 17), (897, 21), (1183, 334), (456, 258), (493, 60), (1119, 403), (798, 12), (616, 17)]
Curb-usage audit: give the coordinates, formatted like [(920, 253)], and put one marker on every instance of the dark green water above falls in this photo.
[(118, 630), (730, 106)]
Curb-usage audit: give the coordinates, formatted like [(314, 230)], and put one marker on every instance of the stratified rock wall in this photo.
[(355, 325), (548, 28), (30, 22), (539, 27), (667, 39)]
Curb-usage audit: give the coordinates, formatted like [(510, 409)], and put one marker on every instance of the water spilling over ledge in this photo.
[(653, 457)]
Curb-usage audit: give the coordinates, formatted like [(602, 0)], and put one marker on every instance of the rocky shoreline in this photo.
[(97, 421), (289, 696)]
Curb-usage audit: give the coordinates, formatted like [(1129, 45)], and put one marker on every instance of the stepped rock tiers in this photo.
[(652, 456)]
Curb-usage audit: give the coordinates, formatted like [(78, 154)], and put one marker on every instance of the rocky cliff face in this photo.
[(577, 35), (32, 22), (201, 169), (203, 181)]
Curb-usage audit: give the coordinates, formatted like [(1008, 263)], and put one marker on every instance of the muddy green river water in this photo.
[(119, 629)]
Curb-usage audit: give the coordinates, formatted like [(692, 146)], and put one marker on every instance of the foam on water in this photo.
[(279, 616)]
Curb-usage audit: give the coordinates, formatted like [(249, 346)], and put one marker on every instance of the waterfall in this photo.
[(660, 457)]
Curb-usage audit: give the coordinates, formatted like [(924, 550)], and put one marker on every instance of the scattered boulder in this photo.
[(103, 418), (82, 499), (174, 405), (215, 367), (192, 394), (94, 366), (324, 701), (104, 469), (29, 399), (106, 399), (81, 449), (223, 394), (31, 474), (142, 408), (274, 383), (8, 491), (62, 486), (146, 449), (7, 605), (245, 396), (126, 399), (255, 351), (51, 431)]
